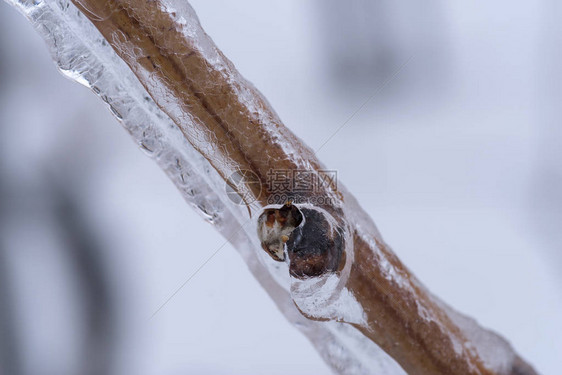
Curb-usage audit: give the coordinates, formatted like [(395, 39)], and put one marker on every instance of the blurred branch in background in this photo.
[(365, 40), (10, 343), (96, 294), (86, 273)]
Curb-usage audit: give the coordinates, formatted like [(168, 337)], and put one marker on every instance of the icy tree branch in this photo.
[(180, 98)]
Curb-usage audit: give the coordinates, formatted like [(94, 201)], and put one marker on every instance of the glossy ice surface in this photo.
[(172, 135), (82, 54)]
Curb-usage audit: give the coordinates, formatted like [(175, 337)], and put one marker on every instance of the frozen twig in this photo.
[(340, 268)]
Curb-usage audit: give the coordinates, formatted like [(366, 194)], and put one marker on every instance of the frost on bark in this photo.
[(317, 254)]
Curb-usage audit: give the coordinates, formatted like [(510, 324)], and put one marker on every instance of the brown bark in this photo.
[(234, 127)]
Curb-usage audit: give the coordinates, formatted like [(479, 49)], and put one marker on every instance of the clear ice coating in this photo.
[(83, 55)]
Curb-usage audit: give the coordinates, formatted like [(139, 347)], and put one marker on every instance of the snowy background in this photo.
[(458, 159)]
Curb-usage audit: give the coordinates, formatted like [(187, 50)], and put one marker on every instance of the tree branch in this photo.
[(340, 267)]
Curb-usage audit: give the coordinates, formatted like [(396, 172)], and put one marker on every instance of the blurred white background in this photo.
[(458, 159)]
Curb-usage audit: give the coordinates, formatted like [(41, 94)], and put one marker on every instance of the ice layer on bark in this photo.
[(82, 54)]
